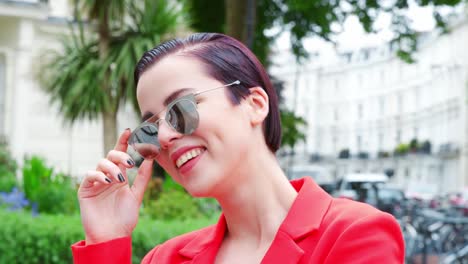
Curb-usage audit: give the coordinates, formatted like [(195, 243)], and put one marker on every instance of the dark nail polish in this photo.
[(121, 177), (108, 180), (130, 162), (127, 128)]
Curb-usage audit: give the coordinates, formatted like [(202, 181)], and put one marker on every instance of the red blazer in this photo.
[(317, 229)]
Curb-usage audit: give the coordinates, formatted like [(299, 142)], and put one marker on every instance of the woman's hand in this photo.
[(109, 206)]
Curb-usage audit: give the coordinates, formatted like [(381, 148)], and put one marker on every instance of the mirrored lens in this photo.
[(145, 141), (183, 116)]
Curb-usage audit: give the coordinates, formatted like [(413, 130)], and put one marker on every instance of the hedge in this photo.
[(47, 238)]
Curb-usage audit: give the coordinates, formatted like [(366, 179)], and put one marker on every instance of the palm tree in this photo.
[(93, 73)]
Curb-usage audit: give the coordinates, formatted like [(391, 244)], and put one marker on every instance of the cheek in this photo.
[(227, 129)]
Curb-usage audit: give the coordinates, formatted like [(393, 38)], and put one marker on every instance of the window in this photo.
[(318, 141), (417, 95), (359, 80), (407, 173), (359, 143), (360, 114), (399, 103), (335, 115), (366, 55), (337, 85), (380, 140), (382, 106), (335, 142)]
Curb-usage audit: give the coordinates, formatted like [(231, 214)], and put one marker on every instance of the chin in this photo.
[(199, 192), (200, 189)]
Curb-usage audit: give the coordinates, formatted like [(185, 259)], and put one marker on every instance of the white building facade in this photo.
[(30, 125), (370, 102)]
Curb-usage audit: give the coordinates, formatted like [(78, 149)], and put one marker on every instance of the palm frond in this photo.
[(74, 76), (72, 79)]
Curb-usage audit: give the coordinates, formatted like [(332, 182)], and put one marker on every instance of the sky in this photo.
[(354, 36)]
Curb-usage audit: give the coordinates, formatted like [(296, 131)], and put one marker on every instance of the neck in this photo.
[(256, 205)]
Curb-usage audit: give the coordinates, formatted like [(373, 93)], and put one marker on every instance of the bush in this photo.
[(167, 200), (363, 155), (414, 145), (52, 193), (14, 200), (426, 147), (401, 149), (209, 207), (41, 239), (7, 169), (383, 154), (173, 205), (154, 190), (58, 196), (47, 238), (35, 174)]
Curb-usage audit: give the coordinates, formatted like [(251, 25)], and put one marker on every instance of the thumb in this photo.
[(142, 179)]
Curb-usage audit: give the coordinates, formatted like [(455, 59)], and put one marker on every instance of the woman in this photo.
[(211, 120)]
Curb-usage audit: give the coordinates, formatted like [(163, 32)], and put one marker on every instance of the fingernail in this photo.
[(127, 129), (121, 177), (108, 180), (130, 162)]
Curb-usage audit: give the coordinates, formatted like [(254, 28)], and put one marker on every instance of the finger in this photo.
[(110, 168), (141, 181), (92, 177), (122, 144), (121, 158)]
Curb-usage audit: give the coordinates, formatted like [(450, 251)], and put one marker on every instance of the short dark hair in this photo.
[(226, 60)]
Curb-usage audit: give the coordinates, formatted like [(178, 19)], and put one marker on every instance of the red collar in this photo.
[(304, 216)]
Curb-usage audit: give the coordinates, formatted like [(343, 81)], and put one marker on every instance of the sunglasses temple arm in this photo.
[(227, 85)]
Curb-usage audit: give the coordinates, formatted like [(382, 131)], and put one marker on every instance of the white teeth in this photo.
[(188, 156)]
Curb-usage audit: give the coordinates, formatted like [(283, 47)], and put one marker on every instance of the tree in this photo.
[(304, 19), (318, 18), (92, 75), (292, 128), (244, 22)]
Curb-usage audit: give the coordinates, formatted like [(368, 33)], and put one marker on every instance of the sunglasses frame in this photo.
[(189, 97)]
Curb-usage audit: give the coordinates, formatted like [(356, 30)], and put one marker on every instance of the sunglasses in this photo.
[(181, 115)]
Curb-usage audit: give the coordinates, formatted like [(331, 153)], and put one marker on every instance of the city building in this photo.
[(367, 110)]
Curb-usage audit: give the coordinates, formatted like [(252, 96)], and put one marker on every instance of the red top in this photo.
[(317, 229)]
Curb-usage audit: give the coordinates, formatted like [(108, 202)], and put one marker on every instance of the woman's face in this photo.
[(202, 161)]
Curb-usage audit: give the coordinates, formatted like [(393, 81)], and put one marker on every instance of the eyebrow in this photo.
[(174, 95)]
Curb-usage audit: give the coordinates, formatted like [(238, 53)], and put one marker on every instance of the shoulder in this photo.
[(344, 214), (167, 252), (359, 229)]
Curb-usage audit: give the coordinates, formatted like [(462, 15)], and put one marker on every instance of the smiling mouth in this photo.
[(191, 154)]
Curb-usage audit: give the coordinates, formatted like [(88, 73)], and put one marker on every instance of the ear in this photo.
[(258, 104)]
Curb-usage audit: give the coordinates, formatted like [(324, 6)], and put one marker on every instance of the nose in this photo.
[(167, 135)]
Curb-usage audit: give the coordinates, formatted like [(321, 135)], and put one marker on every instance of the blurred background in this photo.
[(373, 98)]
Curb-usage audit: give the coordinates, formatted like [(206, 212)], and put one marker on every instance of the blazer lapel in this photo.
[(302, 220), (283, 250), (203, 248)]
